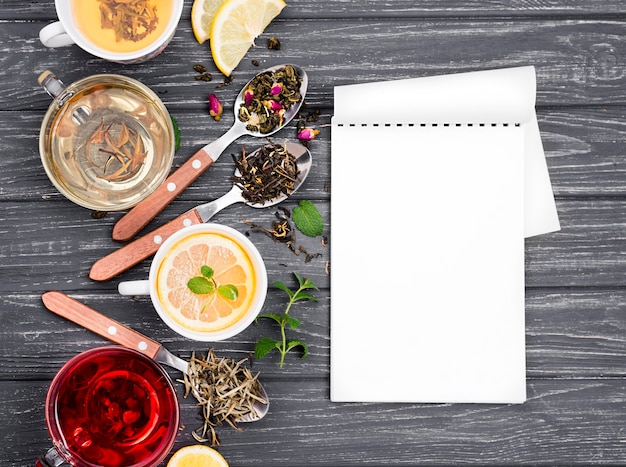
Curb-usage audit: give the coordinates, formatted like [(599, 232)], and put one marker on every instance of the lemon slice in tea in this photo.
[(231, 268)]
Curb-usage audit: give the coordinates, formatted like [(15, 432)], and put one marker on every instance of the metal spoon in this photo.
[(127, 256), (139, 216), (87, 317)]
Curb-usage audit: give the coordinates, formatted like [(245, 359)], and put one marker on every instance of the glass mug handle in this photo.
[(54, 35), (50, 459)]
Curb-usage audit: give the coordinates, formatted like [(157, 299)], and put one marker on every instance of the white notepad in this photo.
[(429, 187)]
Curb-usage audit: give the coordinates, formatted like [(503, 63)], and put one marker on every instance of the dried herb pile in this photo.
[(266, 174), (225, 389), (268, 97), (131, 20)]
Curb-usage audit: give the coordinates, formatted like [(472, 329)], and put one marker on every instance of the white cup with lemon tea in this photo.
[(229, 282), (123, 32)]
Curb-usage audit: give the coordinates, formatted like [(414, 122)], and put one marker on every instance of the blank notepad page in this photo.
[(427, 238)]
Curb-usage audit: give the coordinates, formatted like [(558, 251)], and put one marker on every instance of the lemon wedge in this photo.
[(236, 25), (202, 14), (197, 456)]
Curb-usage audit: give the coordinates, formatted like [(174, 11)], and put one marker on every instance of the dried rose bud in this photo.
[(248, 96), (215, 107), (274, 106), (276, 89), (308, 134)]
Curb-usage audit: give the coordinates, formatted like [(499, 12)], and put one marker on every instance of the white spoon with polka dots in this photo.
[(129, 255)]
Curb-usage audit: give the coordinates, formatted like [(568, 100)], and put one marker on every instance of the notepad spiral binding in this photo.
[(426, 124)]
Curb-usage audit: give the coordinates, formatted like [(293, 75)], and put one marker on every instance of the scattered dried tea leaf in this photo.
[(273, 43), (98, 214)]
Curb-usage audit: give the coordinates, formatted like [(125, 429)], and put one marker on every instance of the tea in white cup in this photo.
[(208, 282), (126, 32)]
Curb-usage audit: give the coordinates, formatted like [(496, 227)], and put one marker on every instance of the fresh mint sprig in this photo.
[(266, 344)]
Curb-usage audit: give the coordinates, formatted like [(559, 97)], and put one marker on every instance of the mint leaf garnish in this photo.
[(206, 285), (308, 219), (228, 291), (200, 285)]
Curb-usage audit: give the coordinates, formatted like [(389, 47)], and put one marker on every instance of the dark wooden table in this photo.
[(575, 295)]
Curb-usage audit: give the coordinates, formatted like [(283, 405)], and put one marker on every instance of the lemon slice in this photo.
[(197, 456), (231, 266), (202, 14), (236, 25)]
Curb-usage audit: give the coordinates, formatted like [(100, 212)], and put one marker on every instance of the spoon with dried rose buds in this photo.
[(262, 179), (270, 100), (227, 390)]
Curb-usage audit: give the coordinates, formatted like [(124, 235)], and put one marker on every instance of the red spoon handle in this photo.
[(127, 256), (81, 314), (139, 216)]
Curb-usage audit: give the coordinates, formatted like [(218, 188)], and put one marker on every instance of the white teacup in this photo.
[(79, 23), (205, 317)]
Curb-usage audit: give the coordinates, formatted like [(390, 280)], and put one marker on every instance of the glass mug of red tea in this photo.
[(110, 406), (105, 29)]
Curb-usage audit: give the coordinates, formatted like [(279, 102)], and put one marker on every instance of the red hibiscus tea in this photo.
[(112, 406)]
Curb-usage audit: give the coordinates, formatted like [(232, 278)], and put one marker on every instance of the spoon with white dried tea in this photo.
[(246, 401), (289, 165), (264, 105)]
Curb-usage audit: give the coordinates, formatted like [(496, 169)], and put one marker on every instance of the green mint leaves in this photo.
[(265, 345), (228, 291), (308, 219), (206, 285)]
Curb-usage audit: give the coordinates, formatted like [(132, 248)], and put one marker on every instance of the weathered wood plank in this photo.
[(569, 334), (575, 296), (53, 238), (55, 245), (46, 340), (353, 51), (302, 9), (584, 148), (23, 177), (564, 422)]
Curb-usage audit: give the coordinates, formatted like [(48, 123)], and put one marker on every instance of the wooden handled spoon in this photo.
[(140, 215), (87, 317), (129, 255)]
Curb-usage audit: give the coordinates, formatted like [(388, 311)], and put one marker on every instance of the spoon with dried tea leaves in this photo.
[(252, 109), (290, 165), (247, 400)]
